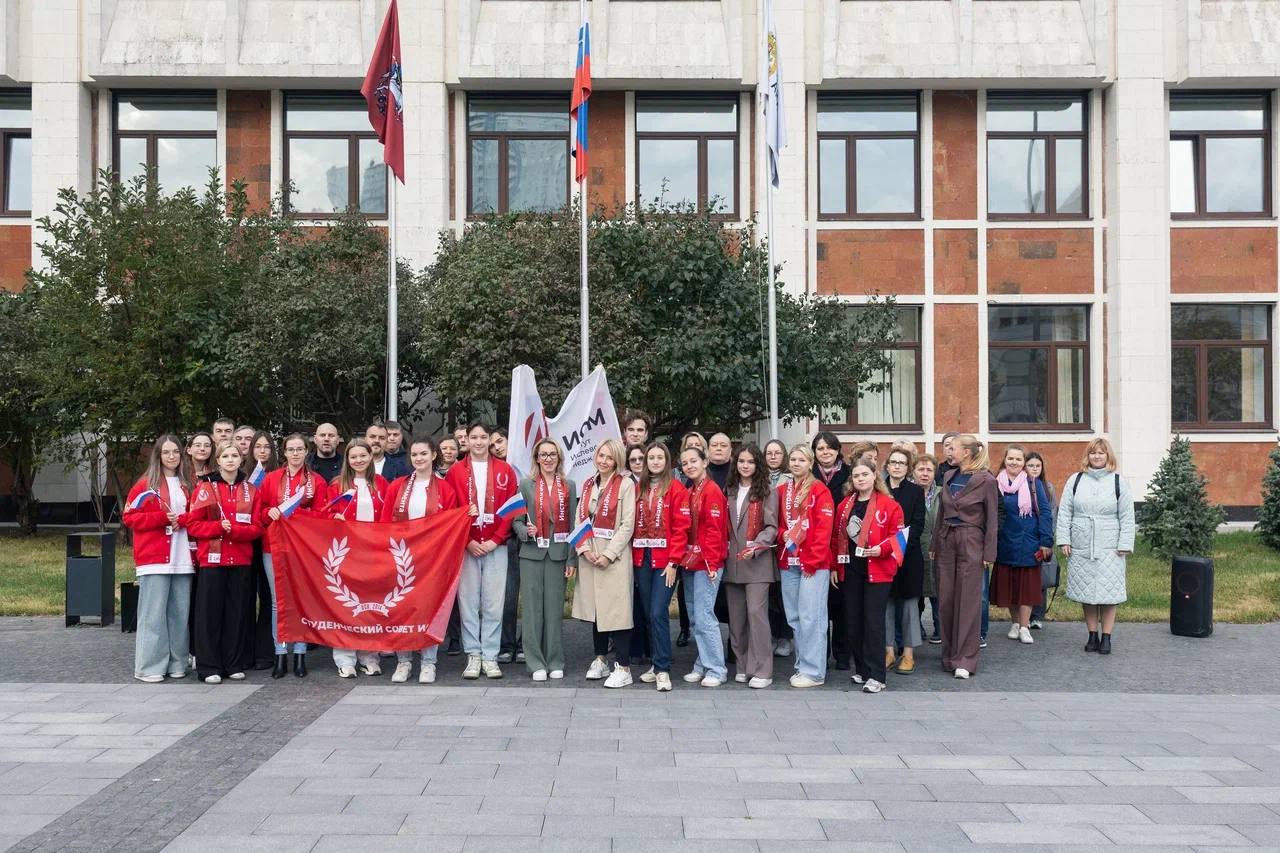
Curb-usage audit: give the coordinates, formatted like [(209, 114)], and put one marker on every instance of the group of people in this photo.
[(815, 553)]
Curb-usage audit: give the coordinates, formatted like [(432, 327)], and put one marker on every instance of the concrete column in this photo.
[(423, 201)]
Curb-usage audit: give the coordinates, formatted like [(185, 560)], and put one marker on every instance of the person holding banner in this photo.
[(221, 520), (868, 551), (602, 538), (703, 561), (546, 559), (153, 511), (807, 514), (263, 460), (415, 496), (750, 567), (485, 483), (295, 488), (357, 494), (661, 537)]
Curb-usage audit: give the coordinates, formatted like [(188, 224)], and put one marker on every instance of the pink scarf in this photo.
[(1017, 484)]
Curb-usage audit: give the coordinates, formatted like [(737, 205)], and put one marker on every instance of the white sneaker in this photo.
[(150, 679), (177, 674), (872, 686), (490, 669), (740, 678), (711, 681), (759, 683), (428, 674), (540, 675), (648, 676), (191, 661), (857, 679), (801, 680), (213, 679), (401, 675), (371, 668), (664, 682), (694, 677), (620, 677), (557, 674), (472, 669), (962, 673), (1037, 625), (346, 672), (1024, 636), (599, 669), (236, 676), (783, 649), (1013, 631)]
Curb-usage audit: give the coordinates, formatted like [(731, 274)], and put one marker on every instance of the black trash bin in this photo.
[(91, 581)]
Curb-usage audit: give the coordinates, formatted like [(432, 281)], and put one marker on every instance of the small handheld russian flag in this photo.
[(294, 501), (340, 502), (514, 506), (259, 474), (582, 533), (142, 498), (795, 535), (898, 544)]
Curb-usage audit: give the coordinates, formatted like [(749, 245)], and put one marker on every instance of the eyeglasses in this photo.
[(896, 462), (547, 455)]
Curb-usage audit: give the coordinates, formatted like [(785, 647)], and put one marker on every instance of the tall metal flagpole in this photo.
[(584, 296), (393, 335), (763, 85)]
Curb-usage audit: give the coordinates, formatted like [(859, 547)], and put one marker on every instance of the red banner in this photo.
[(387, 586)]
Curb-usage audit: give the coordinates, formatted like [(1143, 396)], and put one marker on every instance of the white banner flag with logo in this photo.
[(585, 421), (775, 123), (528, 422)]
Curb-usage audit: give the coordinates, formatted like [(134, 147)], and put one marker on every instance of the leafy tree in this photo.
[(1269, 512), (1177, 517), (24, 418)]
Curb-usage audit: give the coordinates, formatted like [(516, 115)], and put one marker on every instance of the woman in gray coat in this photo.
[(751, 566), (1095, 532), (547, 559)]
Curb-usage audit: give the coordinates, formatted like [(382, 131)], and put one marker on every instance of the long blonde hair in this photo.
[(614, 448), (979, 461), (878, 483), (802, 494)]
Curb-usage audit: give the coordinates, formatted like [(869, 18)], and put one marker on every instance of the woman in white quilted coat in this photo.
[(1095, 532)]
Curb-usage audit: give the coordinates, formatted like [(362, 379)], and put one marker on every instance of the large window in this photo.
[(1221, 366), (332, 156), (1219, 154), (1037, 155), (1038, 366), (868, 156), (15, 148), (517, 154), (687, 152), (898, 404), (175, 134)]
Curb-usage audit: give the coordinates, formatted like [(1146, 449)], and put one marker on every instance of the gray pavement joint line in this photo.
[(156, 801)]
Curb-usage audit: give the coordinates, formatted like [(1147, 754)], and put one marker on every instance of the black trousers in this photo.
[(864, 606), (222, 627), (681, 605), (836, 610), (263, 649), (510, 641), (621, 644), (778, 625)]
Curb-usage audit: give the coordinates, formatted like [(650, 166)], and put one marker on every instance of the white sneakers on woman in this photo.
[(711, 681), (490, 669), (213, 679), (1024, 636), (872, 686), (371, 668), (801, 680), (740, 678), (599, 669), (346, 672), (1013, 631), (401, 675), (472, 669), (962, 673), (694, 677), (150, 679), (759, 683), (557, 674), (539, 675), (428, 674), (620, 677)]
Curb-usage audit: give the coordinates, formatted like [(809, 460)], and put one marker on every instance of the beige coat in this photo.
[(603, 595)]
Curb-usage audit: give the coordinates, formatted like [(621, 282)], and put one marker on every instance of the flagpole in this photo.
[(762, 86), (584, 295), (393, 336)]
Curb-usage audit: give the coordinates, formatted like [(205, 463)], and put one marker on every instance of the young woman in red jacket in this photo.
[(703, 562), (657, 547), (163, 560), (277, 493), (221, 520), (867, 522), (806, 517), (368, 498), (262, 452), (412, 497)]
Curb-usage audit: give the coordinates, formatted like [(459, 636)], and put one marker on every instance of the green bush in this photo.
[(1177, 517), (1269, 512)]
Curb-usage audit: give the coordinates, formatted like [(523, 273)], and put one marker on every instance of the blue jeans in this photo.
[(281, 648), (804, 597), (705, 627), (986, 601), (655, 600), (429, 655), (162, 644), (481, 593)]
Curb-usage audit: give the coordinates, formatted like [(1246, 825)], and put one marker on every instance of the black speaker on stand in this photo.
[(1191, 597)]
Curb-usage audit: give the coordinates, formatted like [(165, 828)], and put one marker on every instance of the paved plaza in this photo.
[(1170, 744)]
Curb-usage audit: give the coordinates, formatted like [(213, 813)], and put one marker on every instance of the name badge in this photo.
[(842, 558), (603, 532), (641, 543), (213, 558), (793, 562), (168, 530), (560, 538), (543, 542), (484, 518), (243, 518), (859, 551)]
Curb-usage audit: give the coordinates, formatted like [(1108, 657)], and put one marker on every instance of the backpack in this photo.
[(1075, 485)]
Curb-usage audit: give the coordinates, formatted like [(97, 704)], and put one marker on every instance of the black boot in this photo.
[(1092, 645), (1104, 647), (300, 664), (682, 639), (281, 668)]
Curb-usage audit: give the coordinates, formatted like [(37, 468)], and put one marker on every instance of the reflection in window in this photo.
[(174, 134), (868, 151), (518, 154), (898, 403), (15, 147), (1217, 154), (332, 157), (687, 152), (1221, 365), (1038, 366), (1037, 162)]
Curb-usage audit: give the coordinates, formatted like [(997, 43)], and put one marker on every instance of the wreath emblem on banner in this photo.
[(405, 578)]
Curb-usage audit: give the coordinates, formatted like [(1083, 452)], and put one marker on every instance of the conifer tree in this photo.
[(1269, 513), (1177, 518)]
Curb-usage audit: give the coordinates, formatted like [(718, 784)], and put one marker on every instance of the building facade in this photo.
[(1073, 201)]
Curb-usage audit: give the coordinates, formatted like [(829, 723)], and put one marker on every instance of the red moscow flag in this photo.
[(367, 585), (383, 89)]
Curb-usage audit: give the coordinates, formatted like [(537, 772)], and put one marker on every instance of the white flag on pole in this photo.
[(585, 421), (775, 122), (528, 422)]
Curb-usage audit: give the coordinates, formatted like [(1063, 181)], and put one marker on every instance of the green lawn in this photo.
[(1246, 580)]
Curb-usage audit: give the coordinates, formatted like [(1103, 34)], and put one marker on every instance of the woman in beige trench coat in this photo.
[(603, 595)]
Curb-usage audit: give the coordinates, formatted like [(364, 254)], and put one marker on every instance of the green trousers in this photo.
[(542, 611)]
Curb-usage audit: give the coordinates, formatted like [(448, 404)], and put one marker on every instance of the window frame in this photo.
[(1201, 347), (1051, 367), (1050, 139), (727, 215), (851, 422), (152, 136), (6, 134), (850, 139), (1199, 138), (503, 139), (353, 137)]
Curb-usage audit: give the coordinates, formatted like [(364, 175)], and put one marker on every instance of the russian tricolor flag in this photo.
[(259, 474), (898, 544), (794, 535), (513, 506), (142, 498), (582, 533), (287, 508), (341, 501), (578, 102)]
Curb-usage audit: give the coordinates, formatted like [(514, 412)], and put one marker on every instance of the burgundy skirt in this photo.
[(1015, 586)]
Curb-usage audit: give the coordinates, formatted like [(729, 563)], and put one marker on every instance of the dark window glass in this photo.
[(333, 159), (687, 152), (868, 156), (897, 405), (174, 134), (1038, 366), (1219, 157), (518, 154), (15, 147), (1037, 154), (1221, 372)]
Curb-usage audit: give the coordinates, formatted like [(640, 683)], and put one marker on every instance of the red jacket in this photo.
[(152, 539), (270, 497), (817, 517), (205, 524), (348, 513), (711, 539), (675, 506), (505, 484), (886, 522), (448, 497)]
